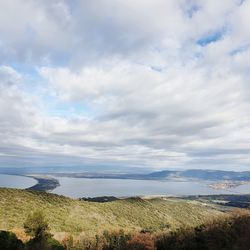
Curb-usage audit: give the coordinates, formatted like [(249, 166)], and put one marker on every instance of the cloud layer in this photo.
[(146, 84)]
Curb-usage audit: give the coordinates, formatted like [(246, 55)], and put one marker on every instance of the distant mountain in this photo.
[(185, 175), (189, 174), (200, 174), (163, 174)]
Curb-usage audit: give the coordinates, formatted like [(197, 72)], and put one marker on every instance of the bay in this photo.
[(82, 187)]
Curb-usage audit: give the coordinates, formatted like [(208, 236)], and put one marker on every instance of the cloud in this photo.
[(149, 84), (186, 111), (63, 31)]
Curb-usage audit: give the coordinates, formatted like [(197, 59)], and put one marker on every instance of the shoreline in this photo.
[(49, 182), (44, 183), (227, 184)]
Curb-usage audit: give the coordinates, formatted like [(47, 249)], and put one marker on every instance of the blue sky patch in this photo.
[(210, 38), (55, 107)]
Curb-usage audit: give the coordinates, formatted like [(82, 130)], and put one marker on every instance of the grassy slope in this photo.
[(68, 215)]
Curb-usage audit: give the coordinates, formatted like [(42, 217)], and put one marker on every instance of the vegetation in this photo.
[(37, 227), (181, 224), (40, 238), (73, 216), (236, 200), (9, 241), (230, 233)]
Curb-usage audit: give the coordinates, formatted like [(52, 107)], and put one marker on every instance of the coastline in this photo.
[(227, 184), (44, 183), (49, 182)]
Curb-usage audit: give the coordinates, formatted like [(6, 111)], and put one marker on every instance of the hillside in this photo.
[(74, 216), (227, 233)]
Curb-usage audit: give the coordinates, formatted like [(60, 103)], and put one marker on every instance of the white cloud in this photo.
[(189, 110), (164, 83)]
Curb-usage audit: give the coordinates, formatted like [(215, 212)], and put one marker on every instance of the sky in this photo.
[(142, 84)]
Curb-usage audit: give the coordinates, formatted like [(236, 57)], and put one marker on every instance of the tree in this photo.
[(37, 227)]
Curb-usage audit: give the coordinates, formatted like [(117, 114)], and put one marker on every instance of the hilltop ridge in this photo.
[(75, 216)]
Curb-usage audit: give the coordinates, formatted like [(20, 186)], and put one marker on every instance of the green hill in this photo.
[(74, 216)]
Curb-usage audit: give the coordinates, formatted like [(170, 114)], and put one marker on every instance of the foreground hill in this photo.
[(75, 216)]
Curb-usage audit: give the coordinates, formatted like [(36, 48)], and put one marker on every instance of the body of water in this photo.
[(16, 181), (81, 187)]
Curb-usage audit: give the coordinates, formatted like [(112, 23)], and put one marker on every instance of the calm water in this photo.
[(16, 181), (80, 187)]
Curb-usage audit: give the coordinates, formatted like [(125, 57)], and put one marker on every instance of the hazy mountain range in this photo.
[(190, 174)]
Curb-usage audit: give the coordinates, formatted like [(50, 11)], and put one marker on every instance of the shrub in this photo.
[(9, 241), (37, 227), (141, 241), (53, 244), (115, 240), (228, 233)]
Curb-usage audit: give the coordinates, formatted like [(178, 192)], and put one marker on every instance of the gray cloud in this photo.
[(136, 87)]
